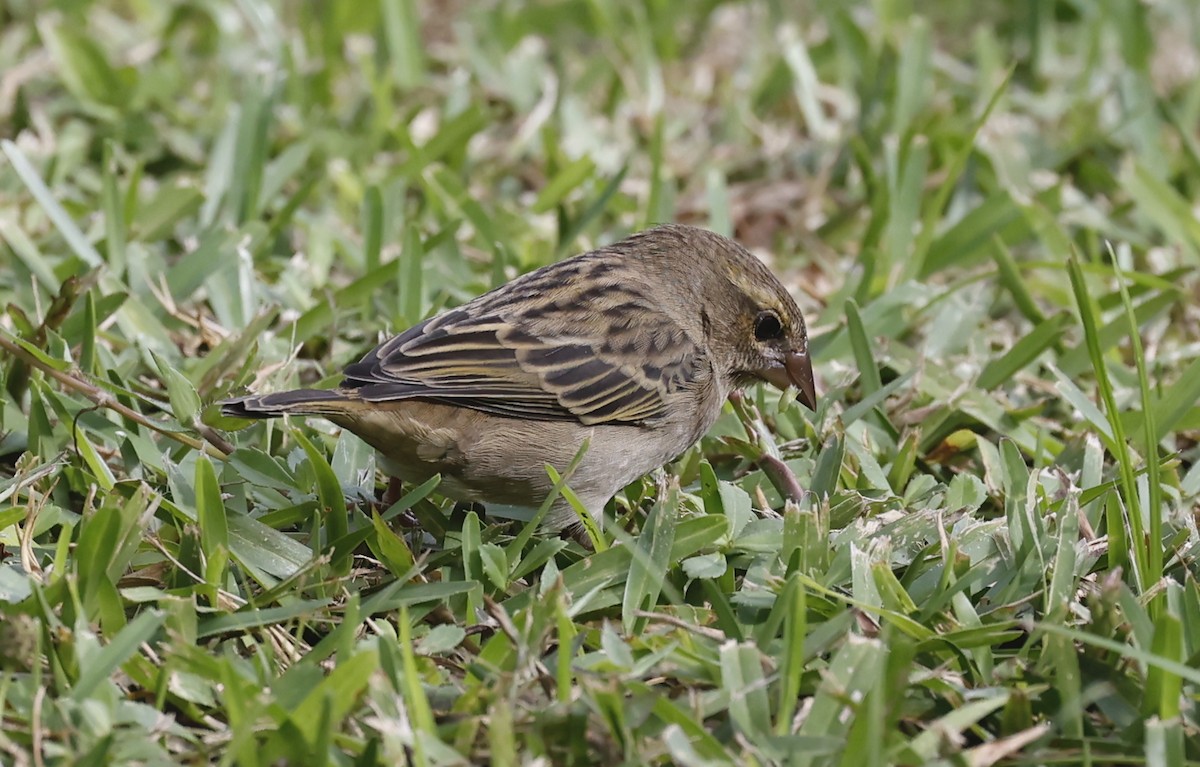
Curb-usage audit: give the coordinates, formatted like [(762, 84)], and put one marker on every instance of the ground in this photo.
[(980, 549)]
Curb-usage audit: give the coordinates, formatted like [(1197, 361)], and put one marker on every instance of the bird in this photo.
[(630, 349)]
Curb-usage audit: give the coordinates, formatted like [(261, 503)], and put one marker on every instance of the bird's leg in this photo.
[(390, 496), (458, 514)]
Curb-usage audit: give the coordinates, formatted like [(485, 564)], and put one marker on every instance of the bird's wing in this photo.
[(542, 364)]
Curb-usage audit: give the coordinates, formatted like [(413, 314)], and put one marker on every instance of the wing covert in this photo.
[(524, 366)]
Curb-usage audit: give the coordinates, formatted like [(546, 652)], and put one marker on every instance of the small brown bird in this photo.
[(633, 347)]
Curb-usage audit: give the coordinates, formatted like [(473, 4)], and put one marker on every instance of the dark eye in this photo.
[(767, 326)]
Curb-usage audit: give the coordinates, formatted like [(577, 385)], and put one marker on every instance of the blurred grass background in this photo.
[(987, 211)]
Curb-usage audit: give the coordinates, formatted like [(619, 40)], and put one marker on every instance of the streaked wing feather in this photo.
[(521, 367)]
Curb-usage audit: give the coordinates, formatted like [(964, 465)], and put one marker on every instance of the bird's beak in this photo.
[(795, 370)]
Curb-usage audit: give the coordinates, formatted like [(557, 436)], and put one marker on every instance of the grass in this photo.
[(986, 212)]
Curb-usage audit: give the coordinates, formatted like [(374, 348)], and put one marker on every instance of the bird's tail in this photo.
[(296, 401)]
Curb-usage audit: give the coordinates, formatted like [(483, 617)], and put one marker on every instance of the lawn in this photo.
[(987, 211)]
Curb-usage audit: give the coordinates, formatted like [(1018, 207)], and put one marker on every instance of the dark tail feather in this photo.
[(311, 401)]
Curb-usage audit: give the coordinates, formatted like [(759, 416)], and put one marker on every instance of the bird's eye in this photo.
[(767, 326)]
